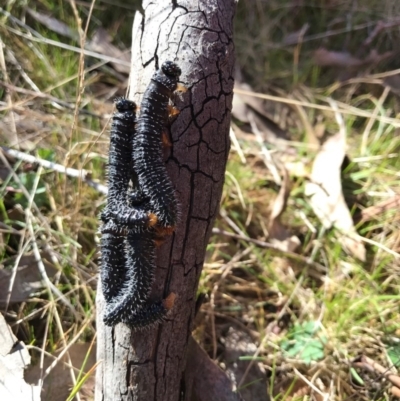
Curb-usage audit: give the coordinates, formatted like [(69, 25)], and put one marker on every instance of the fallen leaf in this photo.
[(370, 364), (246, 375), (57, 385), (296, 37), (296, 388), (381, 26), (27, 279), (247, 109), (393, 82), (326, 196), (382, 207), (101, 43), (279, 235), (311, 137), (14, 359), (53, 24), (328, 58), (319, 130)]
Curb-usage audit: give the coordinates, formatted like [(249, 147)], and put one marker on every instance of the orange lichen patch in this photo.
[(172, 111), (159, 241), (163, 231), (181, 88), (169, 301), (165, 140), (153, 219)]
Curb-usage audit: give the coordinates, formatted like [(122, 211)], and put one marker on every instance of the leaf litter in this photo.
[(325, 191)]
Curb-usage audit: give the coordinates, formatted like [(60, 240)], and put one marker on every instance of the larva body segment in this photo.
[(120, 168), (112, 267), (128, 236), (131, 305), (134, 291), (151, 314), (147, 145)]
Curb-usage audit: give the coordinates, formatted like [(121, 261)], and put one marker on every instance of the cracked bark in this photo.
[(157, 364)]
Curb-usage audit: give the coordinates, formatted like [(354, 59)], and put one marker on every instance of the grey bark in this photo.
[(196, 34)]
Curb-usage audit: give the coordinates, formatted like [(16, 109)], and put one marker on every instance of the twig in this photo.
[(266, 335), (371, 121), (236, 144), (264, 151), (50, 355), (344, 108), (252, 333), (67, 347), (13, 130), (51, 287), (23, 248), (204, 379), (226, 270), (37, 37), (368, 363), (380, 26), (71, 172), (43, 95), (263, 244)]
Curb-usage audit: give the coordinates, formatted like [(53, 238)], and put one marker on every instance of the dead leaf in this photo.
[(57, 385), (295, 389), (311, 137), (319, 130), (377, 210), (294, 38), (27, 280), (326, 196), (247, 108), (328, 58), (245, 375), (370, 365), (101, 43), (279, 235), (53, 24), (14, 359), (393, 82), (374, 57), (381, 26)]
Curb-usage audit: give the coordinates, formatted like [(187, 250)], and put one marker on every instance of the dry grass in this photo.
[(323, 296)]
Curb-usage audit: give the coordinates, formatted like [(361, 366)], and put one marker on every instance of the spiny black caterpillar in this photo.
[(128, 241), (132, 269), (112, 260), (147, 146), (120, 169), (131, 305)]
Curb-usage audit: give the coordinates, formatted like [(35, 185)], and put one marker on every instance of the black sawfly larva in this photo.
[(120, 167), (131, 305), (129, 240), (147, 146), (151, 314), (112, 266)]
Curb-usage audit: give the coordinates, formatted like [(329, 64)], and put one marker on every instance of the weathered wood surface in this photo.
[(150, 365)]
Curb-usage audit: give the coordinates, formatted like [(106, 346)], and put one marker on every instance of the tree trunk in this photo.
[(197, 35)]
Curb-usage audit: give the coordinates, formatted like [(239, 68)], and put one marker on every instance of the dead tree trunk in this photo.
[(197, 34)]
